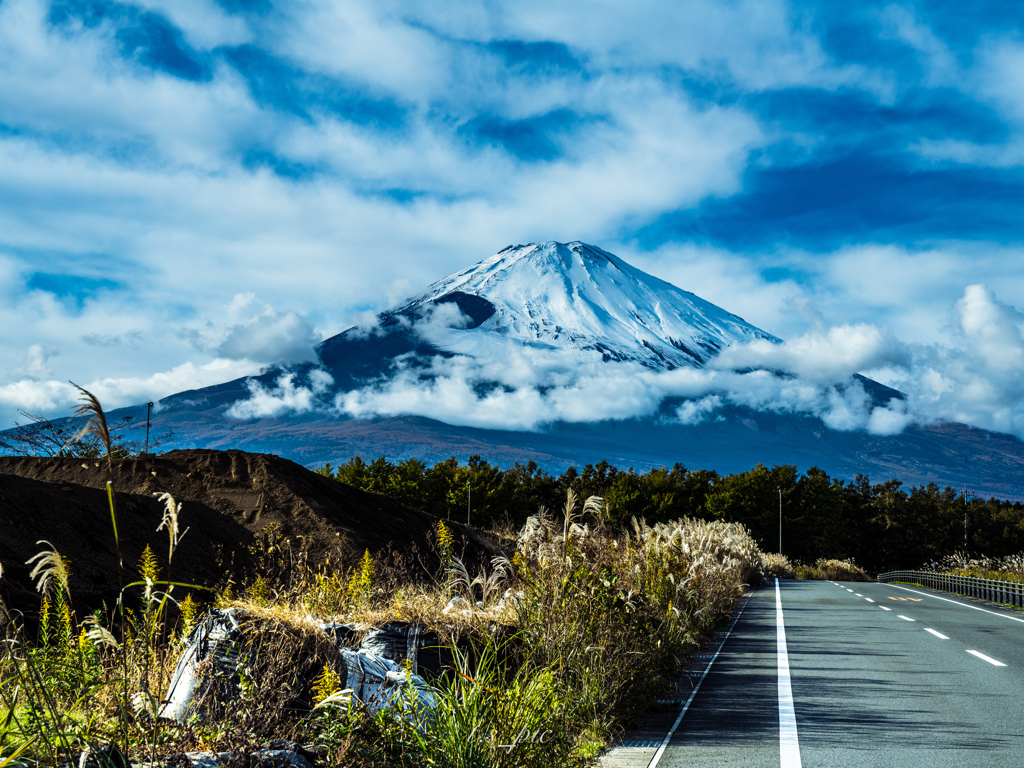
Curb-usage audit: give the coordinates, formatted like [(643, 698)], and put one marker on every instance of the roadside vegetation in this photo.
[(555, 648), (1010, 568), (779, 566)]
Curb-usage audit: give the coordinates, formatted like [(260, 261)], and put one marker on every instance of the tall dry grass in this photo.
[(824, 569), (1009, 568)]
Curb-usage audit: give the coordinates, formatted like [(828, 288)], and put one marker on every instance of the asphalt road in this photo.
[(880, 676)]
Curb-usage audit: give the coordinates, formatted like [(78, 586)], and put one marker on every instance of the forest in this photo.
[(880, 526)]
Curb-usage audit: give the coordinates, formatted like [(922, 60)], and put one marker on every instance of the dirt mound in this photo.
[(227, 497)]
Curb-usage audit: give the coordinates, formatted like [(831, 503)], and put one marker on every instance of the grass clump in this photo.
[(824, 569), (613, 603), (1009, 568)]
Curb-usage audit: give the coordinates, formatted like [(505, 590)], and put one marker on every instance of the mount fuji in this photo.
[(580, 297), (565, 354)]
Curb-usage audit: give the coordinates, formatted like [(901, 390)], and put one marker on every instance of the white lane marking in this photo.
[(858, 594), (884, 608), (789, 743), (849, 590), (869, 599), (954, 602), (686, 706), (937, 634), (905, 618), (989, 659)]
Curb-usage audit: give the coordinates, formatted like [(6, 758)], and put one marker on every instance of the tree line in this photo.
[(880, 526)]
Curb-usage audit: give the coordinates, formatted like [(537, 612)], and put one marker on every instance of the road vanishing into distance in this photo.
[(817, 673)]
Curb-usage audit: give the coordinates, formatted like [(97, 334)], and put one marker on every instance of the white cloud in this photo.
[(819, 356), (367, 41), (36, 359), (760, 43), (972, 378), (939, 63), (206, 25), (500, 384), (992, 330), (56, 398), (283, 398), (697, 411), (260, 332), (996, 80), (890, 420)]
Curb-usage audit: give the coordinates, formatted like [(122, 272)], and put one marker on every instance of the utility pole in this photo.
[(780, 521), (149, 408), (964, 491), (469, 499)]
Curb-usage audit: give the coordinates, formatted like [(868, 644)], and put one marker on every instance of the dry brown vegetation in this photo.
[(1009, 568), (826, 569)]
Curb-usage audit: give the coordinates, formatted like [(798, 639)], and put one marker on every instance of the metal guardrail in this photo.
[(1003, 592)]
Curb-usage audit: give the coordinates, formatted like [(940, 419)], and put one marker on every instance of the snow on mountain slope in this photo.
[(576, 296)]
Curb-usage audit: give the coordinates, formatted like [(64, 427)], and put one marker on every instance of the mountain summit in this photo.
[(575, 296)]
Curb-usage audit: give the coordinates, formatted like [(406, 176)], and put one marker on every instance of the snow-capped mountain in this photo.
[(577, 296), (565, 354)]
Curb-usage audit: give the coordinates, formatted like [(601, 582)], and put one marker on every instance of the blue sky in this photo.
[(191, 189)]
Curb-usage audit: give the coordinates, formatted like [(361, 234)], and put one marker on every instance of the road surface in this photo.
[(878, 675)]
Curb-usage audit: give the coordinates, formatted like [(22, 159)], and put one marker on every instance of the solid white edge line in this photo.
[(686, 706), (789, 742), (989, 659), (937, 634), (905, 618), (954, 602)]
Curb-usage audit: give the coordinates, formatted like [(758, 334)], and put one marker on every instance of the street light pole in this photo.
[(964, 490), (780, 521)]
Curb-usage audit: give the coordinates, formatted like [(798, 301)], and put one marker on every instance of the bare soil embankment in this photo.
[(227, 498)]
